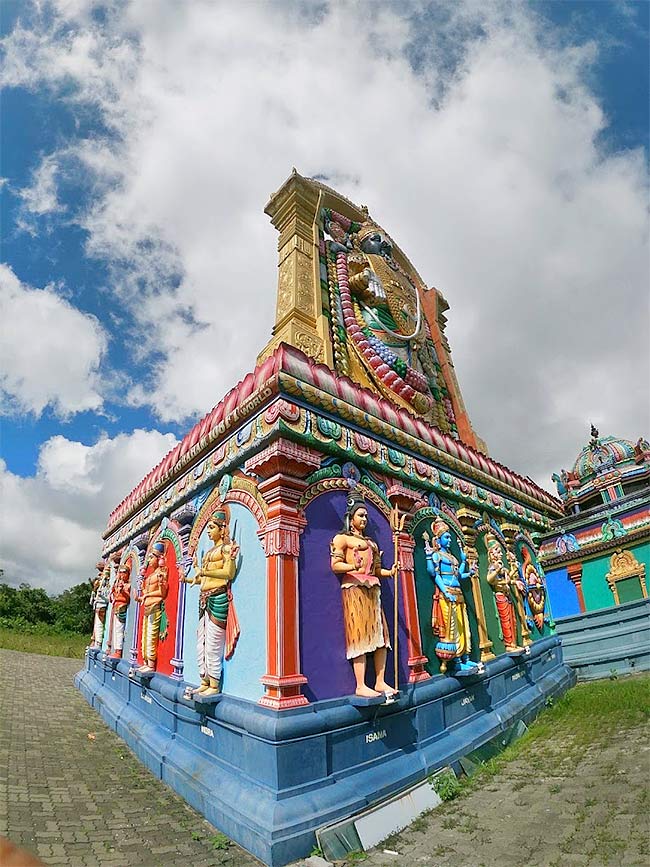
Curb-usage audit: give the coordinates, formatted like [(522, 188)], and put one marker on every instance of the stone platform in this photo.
[(615, 639), (269, 779)]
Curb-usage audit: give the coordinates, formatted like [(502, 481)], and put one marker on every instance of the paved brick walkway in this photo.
[(72, 793), (86, 801)]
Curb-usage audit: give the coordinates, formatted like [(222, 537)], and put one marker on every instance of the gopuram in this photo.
[(334, 590)]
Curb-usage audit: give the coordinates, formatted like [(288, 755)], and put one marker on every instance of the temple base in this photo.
[(269, 780)]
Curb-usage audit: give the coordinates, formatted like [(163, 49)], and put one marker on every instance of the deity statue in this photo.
[(218, 629), (561, 483), (641, 450), (449, 615), (503, 584), (120, 597), (380, 310), (534, 589), (356, 561), (152, 595), (99, 601)]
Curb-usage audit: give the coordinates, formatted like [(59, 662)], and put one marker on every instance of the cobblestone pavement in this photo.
[(73, 794)]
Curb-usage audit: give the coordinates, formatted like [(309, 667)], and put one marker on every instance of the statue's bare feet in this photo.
[(203, 688), (366, 692), (382, 686), (211, 690)]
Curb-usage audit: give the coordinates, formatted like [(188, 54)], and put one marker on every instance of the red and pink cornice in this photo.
[(258, 387)]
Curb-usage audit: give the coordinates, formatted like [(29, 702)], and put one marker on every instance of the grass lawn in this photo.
[(588, 713), (572, 791), (52, 644)]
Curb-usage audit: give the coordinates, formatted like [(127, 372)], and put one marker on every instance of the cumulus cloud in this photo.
[(40, 197), (64, 506), (50, 352), (472, 133)]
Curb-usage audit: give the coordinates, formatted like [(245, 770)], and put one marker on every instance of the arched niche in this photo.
[(425, 586), (242, 672), (536, 594), (112, 568), (167, 533), (322, 637), (131, 558)]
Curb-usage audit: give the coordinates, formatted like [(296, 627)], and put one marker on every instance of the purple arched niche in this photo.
[(322, 641)]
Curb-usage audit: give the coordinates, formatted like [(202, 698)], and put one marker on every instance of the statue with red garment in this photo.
[(503, 586), (152, 595)]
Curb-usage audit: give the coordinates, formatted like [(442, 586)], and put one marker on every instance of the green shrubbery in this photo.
[(31, 611)]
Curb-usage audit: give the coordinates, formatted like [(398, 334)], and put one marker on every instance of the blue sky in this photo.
[(503, 145)]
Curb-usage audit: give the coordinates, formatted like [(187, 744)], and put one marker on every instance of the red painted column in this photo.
[(574, 572), (282, 468), (416, 659)]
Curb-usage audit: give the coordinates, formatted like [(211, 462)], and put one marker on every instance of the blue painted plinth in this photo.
[(268, 780), (609, 640)]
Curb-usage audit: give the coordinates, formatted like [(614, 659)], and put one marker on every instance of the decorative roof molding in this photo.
[(289, 369)]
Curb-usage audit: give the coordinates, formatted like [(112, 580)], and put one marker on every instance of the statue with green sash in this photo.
[(218, 629)]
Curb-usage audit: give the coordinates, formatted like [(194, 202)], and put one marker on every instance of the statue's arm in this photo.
[(338, 548), (225, 573), (164, 583), (359, 278), (432, 559)]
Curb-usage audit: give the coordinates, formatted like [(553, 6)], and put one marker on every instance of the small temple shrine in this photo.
[(597, 557), (329, 590), (598, 554)]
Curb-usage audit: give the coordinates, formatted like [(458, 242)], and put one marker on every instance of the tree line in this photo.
[(31, 609)]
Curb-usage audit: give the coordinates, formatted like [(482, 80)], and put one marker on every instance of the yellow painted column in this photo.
[(467, 518)]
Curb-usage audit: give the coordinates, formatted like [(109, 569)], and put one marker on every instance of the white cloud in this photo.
[(488, 171), (41, 196), (50, 352), (51, 523)]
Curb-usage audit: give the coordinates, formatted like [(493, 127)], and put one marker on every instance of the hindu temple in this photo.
[(597, 557), (328, 589)]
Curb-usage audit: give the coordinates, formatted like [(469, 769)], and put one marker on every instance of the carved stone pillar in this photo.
[(416, 659), (574, 574), (467, 519), (299, 319), (283, 467), (509, 532), (405, 499)]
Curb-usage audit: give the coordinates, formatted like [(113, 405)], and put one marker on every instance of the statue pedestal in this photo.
[(468, 675), (204, 703), (142, 677), (518, 654), (373, 701)]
